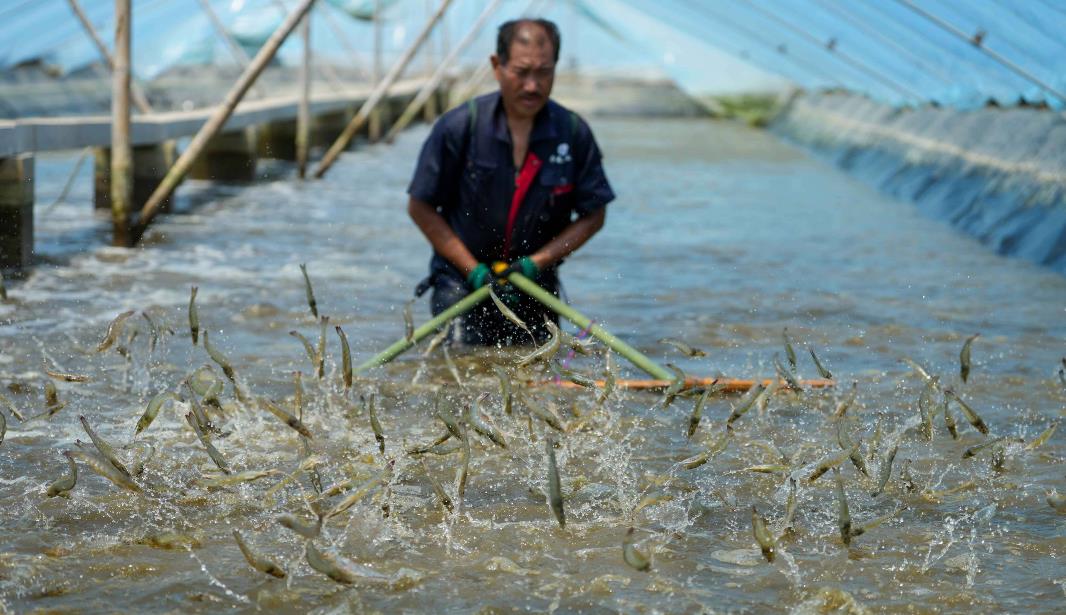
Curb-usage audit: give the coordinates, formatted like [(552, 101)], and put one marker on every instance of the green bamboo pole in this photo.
[(635, 357), (532, 289), (431, 326)]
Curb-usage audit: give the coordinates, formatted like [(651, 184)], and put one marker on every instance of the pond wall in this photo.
[(997, 174)]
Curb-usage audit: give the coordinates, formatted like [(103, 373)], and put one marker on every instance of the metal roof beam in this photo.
[(977, 41), (831, 48)]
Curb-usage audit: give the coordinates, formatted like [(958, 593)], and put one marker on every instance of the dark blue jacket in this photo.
[(466, 171)]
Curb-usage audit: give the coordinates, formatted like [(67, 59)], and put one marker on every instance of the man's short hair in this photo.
[(507, 31)]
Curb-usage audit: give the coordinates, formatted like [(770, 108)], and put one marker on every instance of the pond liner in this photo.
[(999, 175)]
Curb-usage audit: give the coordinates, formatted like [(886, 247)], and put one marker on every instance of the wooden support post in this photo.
[(379, 92), (16, 211), (277, 140), (326, 127), (390, 110), (228, 157), (218, 119), (303, 115), (101, 178), (429, 108), (170, 156), (375, 124), (429, 88), (150, 164), (121, 152)]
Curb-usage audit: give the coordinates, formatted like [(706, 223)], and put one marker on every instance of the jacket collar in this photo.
[(543, 126)]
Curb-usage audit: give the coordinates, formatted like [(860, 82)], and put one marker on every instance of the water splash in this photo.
[(213, 580)]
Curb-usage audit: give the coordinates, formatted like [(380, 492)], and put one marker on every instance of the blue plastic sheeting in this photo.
[(169, 33), (360, 9), (166, 33), (997, 175), (884, 49)]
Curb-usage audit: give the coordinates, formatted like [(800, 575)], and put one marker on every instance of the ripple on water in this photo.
[(718, 240)]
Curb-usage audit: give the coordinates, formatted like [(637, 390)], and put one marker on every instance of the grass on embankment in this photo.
[(755, 110)]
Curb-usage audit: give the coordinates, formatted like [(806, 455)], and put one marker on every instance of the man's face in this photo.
[(526, 80)]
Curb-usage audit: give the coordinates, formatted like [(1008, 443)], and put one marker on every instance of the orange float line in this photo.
[(729, 385)]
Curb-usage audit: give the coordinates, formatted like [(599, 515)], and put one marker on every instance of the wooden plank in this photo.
[(40, 134)]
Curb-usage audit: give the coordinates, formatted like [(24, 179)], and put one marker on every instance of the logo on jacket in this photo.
[(561, 155)]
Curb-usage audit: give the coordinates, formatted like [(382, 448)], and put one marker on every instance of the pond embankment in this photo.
[(997, 174)]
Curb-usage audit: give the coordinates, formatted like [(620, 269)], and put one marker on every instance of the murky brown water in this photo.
[(722, 236)]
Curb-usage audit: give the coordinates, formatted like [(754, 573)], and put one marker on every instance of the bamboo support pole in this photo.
[(462, 306), (121, 151), (379, 92), (327, 70), (430, 87), (634, 356), (303, 115), (139, 97), (234, 47), (549, 300), (1011, 66), (218, 119)]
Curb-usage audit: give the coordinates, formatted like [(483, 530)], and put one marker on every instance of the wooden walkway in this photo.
[(256, 129), (42, 134)]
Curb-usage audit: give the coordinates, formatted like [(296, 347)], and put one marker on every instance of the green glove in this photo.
[(526, 267), (480, 276)]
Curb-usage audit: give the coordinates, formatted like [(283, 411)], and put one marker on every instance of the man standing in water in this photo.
[(508, 180)]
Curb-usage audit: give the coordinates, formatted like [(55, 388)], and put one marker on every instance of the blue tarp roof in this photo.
[(901, 52)]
